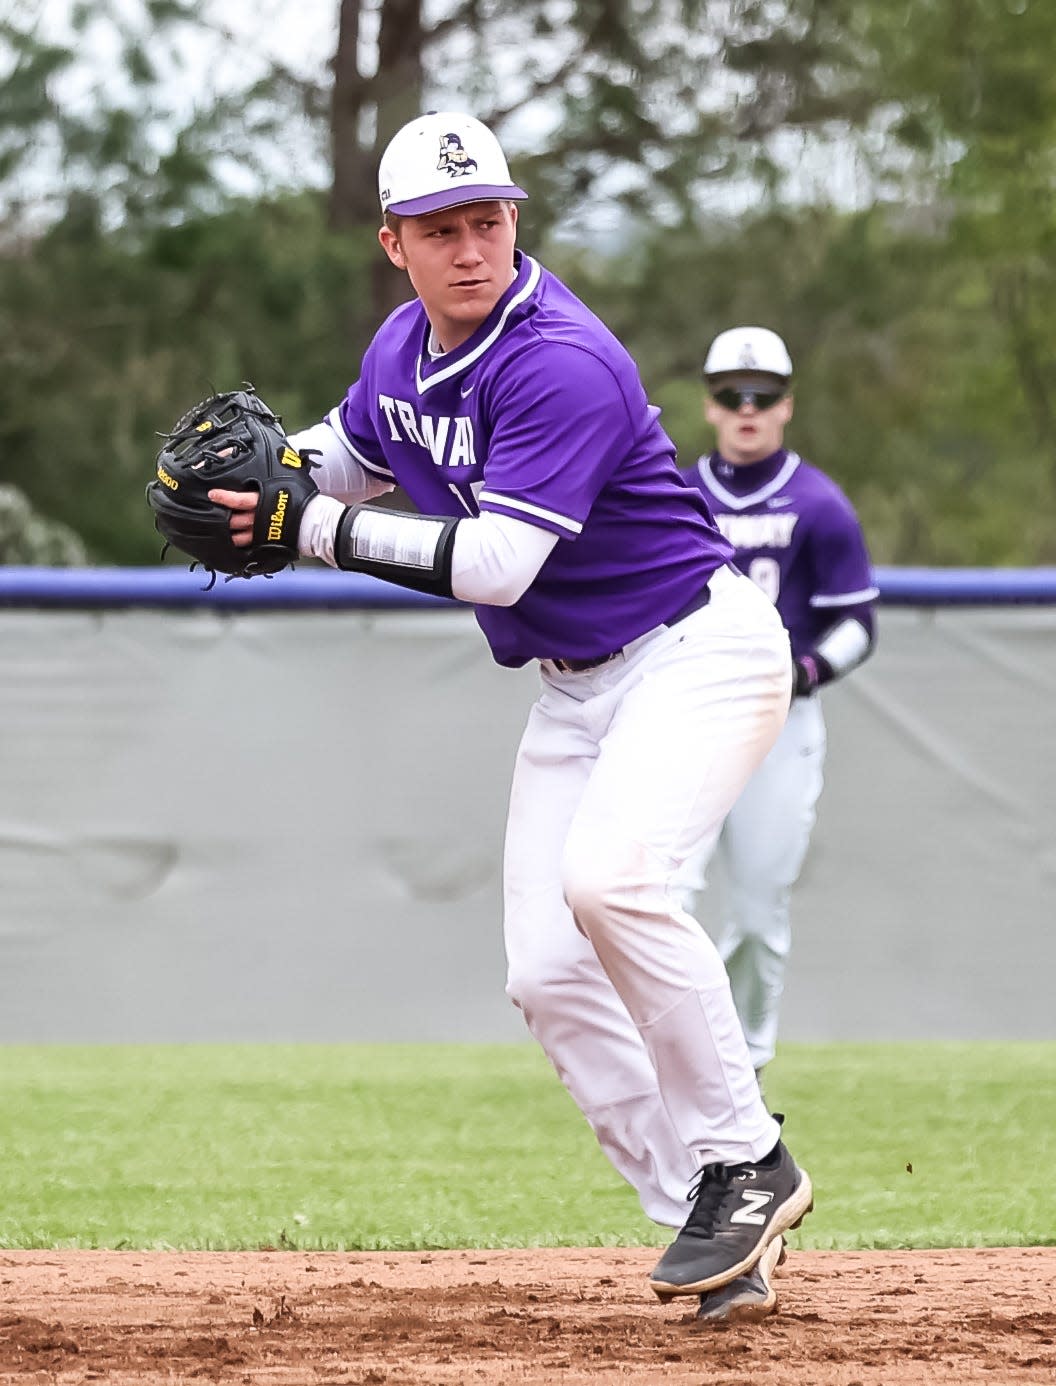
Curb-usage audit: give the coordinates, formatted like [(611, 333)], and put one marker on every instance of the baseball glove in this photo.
[(233, 441)]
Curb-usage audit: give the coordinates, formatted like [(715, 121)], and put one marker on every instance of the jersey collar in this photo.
[(730, 499), (486, 335)]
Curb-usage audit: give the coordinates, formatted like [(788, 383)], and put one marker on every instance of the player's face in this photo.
[(747, 431), (460, 263)]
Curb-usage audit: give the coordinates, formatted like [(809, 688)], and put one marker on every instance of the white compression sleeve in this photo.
[(496, 558), (336, 471), (493, 561), (319, 527)]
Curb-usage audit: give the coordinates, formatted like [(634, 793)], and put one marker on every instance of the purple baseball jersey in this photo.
[(541, 416), (795, 534)]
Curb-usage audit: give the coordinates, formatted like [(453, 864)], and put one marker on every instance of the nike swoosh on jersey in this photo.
[(468, 390), (775, 501)]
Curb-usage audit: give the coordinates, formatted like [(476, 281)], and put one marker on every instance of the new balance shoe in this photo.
[(737, 1211), (749, 1298)]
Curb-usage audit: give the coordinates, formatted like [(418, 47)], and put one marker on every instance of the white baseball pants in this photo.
[(623, 773), (762, 846)]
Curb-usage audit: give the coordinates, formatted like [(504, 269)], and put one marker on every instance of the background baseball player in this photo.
[(796, 536), (549, 498)]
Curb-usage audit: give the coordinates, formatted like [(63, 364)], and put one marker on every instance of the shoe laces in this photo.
[(708, 1195)]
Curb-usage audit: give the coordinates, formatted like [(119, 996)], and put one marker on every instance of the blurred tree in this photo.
[(905, 389), (921, 323), (27, 538), (92, 121), (644, 106), (916, 293), (104, 343), (980, 83)]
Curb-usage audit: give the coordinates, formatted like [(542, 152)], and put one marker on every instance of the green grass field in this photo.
[(412, 1146)]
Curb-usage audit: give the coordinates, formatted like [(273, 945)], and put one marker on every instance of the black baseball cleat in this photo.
[(748, 1299), (737, 1211)]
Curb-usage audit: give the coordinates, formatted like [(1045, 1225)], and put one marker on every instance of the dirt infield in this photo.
[(446, 1318)]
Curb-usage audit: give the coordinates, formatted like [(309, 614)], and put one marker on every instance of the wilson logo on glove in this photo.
[(275, 525)]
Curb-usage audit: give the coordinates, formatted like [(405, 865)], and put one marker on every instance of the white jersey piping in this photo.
[(461, 363), (763, 493)]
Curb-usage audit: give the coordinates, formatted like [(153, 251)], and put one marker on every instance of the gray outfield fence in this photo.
[(274, 810)]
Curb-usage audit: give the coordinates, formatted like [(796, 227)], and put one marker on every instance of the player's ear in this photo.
[(390, 243), (788, 407)]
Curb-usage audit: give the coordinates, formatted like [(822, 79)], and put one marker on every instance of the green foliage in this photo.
[(350, 1147), (28, 538), (95, 113), (982, 77), (104, 343), (906, 389), (132, 281)]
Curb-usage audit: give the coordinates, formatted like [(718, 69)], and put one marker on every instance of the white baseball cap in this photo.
[(748, 349), (443, 160)]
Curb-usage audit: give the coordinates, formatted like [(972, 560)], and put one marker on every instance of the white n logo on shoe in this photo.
[(755, 1201)]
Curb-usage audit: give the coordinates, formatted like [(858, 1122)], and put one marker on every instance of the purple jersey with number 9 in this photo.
[(795, 534)]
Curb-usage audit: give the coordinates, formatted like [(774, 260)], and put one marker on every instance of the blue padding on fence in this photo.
[(323, 587), (303, 587), (965, 586)]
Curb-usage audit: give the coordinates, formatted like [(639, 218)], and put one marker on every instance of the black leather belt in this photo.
[(580, 666)]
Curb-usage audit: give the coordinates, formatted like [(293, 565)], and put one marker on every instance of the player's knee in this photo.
[(584, 889), (538, 986), (595, 883), (524, 985), (762, 921)]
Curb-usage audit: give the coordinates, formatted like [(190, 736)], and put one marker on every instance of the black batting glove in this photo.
[(807, 677)]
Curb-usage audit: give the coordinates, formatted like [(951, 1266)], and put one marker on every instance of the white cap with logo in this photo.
[(443, 160), (748, 349)]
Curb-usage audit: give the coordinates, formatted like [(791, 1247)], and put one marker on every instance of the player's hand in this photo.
[(243, 507)]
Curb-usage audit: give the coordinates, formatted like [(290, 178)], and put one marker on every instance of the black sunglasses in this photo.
[(733, 399)]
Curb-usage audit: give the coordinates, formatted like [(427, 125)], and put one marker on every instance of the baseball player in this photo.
[(796, 536), (549, 498)]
